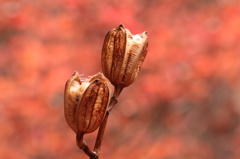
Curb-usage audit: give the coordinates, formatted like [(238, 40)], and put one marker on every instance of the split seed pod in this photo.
[(123, 55), (85, 103)]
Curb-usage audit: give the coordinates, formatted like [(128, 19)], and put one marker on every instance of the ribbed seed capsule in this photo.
[(123, 55), (92, 107), (85, 103)]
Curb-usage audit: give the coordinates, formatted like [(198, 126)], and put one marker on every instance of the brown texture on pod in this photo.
[(71, 99), (123, 55), (92, 107), (85, 103)]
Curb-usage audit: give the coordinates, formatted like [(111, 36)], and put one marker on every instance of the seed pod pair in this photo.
[(85, 103), (122, 56)]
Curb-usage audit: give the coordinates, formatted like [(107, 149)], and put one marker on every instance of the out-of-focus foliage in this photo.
[(185, 103)]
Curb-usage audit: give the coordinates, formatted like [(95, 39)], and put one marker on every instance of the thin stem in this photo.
[(102, 127), (118, 90), (101, 130), (82, 145)]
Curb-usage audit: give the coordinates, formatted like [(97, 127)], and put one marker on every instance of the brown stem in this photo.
[(101, 130), (118, 90), (102, 127), (82, 145)]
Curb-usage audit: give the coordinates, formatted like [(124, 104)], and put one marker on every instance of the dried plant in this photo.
[(122, 56), (87, 104)]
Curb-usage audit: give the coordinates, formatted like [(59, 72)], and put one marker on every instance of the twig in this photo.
[(82, 145), (101, 130)]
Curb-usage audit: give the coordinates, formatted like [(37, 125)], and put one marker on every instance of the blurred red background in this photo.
[(185, 103)]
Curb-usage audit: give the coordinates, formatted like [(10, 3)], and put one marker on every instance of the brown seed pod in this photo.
[(123, 55), (85, 103)]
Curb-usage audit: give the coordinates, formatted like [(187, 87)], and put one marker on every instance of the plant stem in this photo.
[(82, 145), (101, 130), (102, 127)]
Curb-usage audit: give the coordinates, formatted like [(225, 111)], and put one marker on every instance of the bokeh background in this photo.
[(185, 103)]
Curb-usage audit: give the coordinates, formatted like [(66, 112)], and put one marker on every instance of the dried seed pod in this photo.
[(85, 103), (123, 55)]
